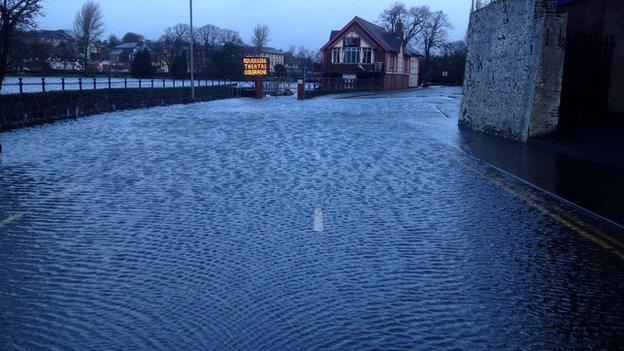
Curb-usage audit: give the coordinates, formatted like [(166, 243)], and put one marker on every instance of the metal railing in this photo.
[(21, 85), (342, 85)]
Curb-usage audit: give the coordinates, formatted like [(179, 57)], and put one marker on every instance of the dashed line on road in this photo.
[(319, 223)]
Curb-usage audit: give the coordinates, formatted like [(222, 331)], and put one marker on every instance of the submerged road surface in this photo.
[(329, 224)]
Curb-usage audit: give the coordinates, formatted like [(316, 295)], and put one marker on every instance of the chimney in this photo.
[(398, 28)]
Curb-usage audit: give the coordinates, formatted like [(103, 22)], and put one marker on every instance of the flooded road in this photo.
[(329, 224)]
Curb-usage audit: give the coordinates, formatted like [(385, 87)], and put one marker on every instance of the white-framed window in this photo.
[(368, 55), (336, 53), (352, 55)]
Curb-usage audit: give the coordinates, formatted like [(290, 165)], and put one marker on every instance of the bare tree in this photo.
[(131, 37), (260, 37), (113, 41), (88, 27), (209, 35), (178, 35), (434, 36), (14, 15), (289, 56), (392, 15), (413, 19), (174, 42), (455, 48), (416, 24), (307, 58), (230, 36)]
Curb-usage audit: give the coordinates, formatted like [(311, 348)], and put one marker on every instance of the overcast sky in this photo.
[(292, 22)]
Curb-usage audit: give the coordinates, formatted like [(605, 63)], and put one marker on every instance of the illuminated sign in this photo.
[(256, 66)]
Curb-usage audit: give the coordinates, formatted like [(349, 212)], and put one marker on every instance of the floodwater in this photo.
[(329, 224)]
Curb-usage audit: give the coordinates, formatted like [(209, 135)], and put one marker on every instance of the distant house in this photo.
[(56, 47), (276, 57), (52, 37), (123, 55), (59, 65), (363, 50)]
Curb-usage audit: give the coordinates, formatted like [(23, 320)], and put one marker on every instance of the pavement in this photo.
[(600, 142), (584, 167), (593, 186)]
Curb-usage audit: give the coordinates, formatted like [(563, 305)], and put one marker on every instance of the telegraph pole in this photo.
[(192, 55)]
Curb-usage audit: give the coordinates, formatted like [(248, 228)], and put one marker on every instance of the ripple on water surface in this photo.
[(278, 225)]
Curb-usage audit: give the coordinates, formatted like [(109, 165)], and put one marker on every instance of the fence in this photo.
[(41, 85), (324, 86), (340, 84)]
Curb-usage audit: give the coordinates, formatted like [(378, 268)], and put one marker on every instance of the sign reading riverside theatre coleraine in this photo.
[(256, 66)]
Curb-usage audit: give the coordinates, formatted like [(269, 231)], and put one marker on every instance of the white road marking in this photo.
[(319, 225)]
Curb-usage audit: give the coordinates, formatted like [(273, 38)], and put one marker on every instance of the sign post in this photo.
[(256, 68), (192, 55)]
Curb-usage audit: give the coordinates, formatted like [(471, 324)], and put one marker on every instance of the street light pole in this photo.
[(192, 55)]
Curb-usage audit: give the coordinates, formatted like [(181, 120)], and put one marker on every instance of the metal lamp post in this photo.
[(192, 55)]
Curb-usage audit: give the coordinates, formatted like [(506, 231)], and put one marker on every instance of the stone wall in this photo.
[(22, 110), (514, 68)]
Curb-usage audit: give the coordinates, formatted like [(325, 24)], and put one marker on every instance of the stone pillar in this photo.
[(259, 87), (300, 89), (514, 68)]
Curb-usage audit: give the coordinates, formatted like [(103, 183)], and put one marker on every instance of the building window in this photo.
[(351, 42), (336, 56), (352, 55), (368, 55)]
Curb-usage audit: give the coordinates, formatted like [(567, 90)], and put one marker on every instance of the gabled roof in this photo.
[(117, 52), (266, 50), (130, 45), (390, 41), (333, 34)]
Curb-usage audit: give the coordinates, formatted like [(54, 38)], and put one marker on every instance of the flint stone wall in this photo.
[(514, 69)]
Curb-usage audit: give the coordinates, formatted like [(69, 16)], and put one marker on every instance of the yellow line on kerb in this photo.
[(554, 211)]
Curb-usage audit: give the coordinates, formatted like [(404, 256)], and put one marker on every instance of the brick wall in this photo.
[(24, 110)]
